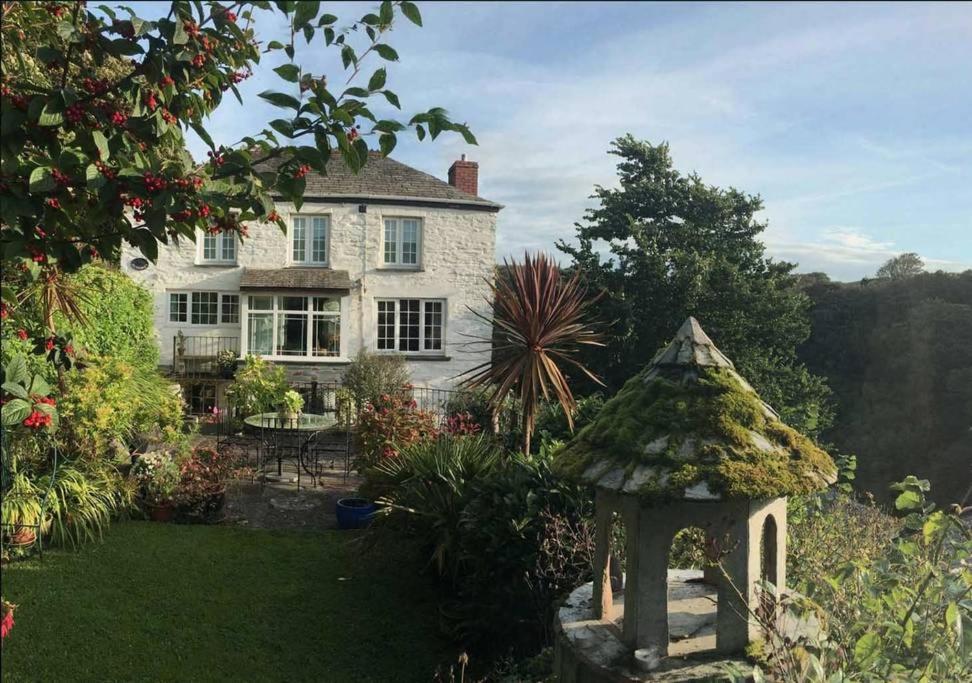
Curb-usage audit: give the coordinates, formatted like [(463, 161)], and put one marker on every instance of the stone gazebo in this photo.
[(686, 442)]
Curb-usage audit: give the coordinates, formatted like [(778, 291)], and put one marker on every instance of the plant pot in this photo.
[(227, 371), (354, 513), (161, 512), (288, 417), (23, 537)]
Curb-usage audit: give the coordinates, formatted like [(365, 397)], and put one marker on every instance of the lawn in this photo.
[(163, 602)]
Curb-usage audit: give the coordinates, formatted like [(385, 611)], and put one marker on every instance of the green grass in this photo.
[(163, 602)]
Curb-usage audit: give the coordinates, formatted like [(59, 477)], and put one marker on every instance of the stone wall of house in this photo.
[(457, 259)]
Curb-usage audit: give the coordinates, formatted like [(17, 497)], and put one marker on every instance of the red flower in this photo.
[(49, 344), (22, 333), (7, 623), (4, 311), (69, 350)]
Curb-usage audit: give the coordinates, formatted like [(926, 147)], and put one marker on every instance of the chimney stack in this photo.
[(464, 176)]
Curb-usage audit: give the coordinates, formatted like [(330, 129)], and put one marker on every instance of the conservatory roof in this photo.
[(688, 426), (314, 279)]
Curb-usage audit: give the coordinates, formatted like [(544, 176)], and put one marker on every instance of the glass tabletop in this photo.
[(306, 422)]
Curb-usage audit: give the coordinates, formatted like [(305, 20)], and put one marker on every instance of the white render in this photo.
[(456, 262)]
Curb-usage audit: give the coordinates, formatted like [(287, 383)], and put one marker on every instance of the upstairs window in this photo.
[(219, 248), (403, 240), (310, 238), (411, 325)]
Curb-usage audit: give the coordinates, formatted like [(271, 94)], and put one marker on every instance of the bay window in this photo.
[(294, 326), (411, 325)]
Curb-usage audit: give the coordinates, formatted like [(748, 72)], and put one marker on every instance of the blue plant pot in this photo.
[(354, 513)]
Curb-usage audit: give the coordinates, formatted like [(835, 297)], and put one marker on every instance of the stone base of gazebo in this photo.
[(590, 650)]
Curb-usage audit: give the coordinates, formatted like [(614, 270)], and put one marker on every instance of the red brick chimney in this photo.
[(464, 176)]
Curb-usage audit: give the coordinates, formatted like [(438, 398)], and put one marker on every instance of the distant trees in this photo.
[(902, 266), (679, 247)]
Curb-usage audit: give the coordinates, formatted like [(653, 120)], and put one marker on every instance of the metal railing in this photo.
[(197, 356)]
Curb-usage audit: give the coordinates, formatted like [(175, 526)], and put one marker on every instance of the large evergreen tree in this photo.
[(664, 246)]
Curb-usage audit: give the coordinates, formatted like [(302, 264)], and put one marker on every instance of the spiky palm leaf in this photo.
[(540, 320)]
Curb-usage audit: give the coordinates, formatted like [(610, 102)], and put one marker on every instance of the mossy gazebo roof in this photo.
[(689, 426)]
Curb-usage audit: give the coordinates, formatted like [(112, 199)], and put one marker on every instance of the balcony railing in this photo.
[(197, 356)]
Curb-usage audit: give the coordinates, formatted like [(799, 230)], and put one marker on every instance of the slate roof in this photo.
[(383, 177), (295, 278), (688, 426)]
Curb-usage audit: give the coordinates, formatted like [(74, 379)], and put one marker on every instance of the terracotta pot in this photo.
[(23, 537), (162, 512)]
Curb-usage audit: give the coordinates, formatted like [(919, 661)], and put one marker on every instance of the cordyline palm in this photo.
[(540, 320)]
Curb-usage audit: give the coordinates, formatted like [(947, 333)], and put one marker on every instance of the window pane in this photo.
[(261, 333), (408, 324), (202, 398), (327, 336), (410, 238), (209, 247), (386, 325), (292, 303), (300, 237), (204, 308), (292, 334), (325, 304), (229, 247), (230, 309), (391, 241), (319, 240), (261, 303), (177, 308), (432, 340)]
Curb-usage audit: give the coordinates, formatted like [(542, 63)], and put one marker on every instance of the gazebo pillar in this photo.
[(646, 580), (603, 598)]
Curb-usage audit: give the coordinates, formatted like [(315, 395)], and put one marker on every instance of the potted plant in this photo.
[(354, 513), (226, 362), (291, 405), (21, 511), (201, 494), (157, 476)]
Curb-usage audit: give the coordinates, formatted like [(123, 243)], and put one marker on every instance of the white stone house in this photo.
[(390, 260)]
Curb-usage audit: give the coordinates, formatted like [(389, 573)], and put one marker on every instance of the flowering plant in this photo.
[(201, 481), (462, 424), (7, 621), (25, 398), (292, 402), (157, 476), (391, 423)]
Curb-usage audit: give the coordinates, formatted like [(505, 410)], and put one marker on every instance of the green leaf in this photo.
[(275, 45), (377, 80), (203, 134), (328, 35), (179, 36), (866, 649), (308, 33), (908, 500), (953, 620), (411, 12), (14, 412), (386, 13), (347, 56), (16, 389), (101, 142), (387, 143), (386, 52), (93, 177), (39, 386), (392, 98), (283, 127), (281, 100), (16, 371), (306, 10), (41, 179), (288, 72), (52, 114), (326, 19)]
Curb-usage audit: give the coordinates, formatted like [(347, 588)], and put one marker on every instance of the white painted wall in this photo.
[(457, 258)]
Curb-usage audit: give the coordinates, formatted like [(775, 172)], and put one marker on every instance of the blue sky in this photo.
[(852, 121)]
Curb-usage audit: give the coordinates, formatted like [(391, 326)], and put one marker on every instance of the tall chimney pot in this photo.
[(464, 176)]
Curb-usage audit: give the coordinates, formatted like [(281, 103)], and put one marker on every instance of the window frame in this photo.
[(311, 316), (188, 294), (220, 240), (423, 303), (308, 240), (397, 264)]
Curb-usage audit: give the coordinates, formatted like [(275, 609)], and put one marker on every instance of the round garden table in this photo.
[(288, 434)]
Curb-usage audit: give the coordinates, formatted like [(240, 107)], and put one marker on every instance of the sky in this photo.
[(853, 122)]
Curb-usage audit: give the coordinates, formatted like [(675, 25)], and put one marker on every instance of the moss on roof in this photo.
[(679, 429)]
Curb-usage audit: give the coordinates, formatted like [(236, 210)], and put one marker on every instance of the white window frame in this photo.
[(308, 240), (220, 295), (399, 233), (422, 351), (220, 240), (276, 311)]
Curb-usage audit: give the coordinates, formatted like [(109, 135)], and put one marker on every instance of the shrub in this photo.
[(259, 387), (390, 424), (371, 376), (475, 403), (157, 475), (84, 498), (552, 421), (111, 400), (202, 481)]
